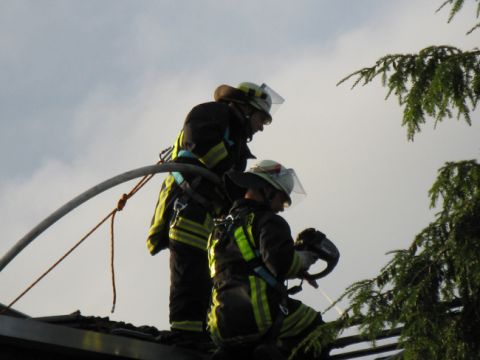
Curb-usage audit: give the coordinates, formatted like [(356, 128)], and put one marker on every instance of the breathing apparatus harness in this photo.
[(227, 226), (309, 239)]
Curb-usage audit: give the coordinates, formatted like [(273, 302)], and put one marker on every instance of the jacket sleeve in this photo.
[(205, 132), (276, 247)]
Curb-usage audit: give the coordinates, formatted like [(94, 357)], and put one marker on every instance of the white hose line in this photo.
[(94, 191)]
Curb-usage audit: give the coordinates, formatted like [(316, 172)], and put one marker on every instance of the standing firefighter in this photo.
[(215, 136), (251, 254)]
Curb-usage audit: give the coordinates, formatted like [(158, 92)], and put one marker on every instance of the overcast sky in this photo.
[(90, 89)]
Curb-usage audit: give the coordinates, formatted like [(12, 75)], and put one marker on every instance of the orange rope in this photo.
[(112, 256), (56, 263), (120, 205)]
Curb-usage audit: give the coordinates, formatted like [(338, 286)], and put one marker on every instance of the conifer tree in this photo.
[(430, 290), (438, 81)]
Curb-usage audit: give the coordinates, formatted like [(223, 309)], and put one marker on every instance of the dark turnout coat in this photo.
[(213, 136), (244, 304)]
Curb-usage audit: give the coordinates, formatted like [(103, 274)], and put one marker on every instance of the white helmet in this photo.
[(262, 97), (274, 173)]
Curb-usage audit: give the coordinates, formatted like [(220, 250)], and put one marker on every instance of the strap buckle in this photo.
[(178, 205), (283, 309)]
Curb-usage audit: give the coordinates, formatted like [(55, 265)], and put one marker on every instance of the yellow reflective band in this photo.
[(261, 311), (295, 267), (215, 155), (151, 244), (159, 211), (297, 322), (249, 222), (158, 218), (212, 242), (214, 330), (212, 321), (294, 317), (243, 244), (265, 306), (178, 145), (305, 322), (196, 326), (188, 238), (194, 227)]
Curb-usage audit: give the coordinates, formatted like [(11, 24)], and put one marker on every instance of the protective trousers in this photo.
[(190, 283)]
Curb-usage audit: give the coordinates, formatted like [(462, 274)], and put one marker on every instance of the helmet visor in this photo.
[(268, 105), (298, 193), (277, 100), (285, 180)]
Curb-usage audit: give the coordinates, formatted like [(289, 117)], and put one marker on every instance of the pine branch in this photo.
[(456, 7), (431, 289), (473, 28), (457, 184), (436, 82)]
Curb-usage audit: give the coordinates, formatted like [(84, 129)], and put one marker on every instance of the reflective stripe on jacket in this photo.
[(244, 306), (212, 136)]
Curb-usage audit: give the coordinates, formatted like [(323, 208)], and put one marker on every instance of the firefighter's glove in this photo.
[(307, 258), (308, 238)]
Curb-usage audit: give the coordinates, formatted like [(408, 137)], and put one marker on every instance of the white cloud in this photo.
[(366, 184)]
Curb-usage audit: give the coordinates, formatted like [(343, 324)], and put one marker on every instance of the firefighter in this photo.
[(214, 135), (251, 254)]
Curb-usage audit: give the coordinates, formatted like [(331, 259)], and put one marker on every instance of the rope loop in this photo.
[(122, 202), (120, 205)]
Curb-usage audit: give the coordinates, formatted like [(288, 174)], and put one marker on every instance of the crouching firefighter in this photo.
[(215, 136), (251, 254)]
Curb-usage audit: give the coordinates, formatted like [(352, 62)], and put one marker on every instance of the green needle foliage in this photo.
[(438, 81), (435, 82), (456, 7), (431, 290)]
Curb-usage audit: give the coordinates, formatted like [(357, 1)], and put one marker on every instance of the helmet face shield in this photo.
[(298, 193), (275, 98), (282, 179)]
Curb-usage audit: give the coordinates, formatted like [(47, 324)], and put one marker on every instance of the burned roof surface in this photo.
[(75, 336)]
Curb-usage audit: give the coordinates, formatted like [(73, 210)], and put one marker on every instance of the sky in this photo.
[(91, 89)]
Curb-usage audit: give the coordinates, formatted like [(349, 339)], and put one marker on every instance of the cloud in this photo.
[(110, 135), (366, 184)]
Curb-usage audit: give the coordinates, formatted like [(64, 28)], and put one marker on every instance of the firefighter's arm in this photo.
[(276, 248), (204, 134)]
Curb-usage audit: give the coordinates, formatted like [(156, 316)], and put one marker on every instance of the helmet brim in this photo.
[(237, 183), (229, 93)]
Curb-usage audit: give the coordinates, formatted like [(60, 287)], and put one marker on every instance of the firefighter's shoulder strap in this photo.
[(239, 227), (242, 234)]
